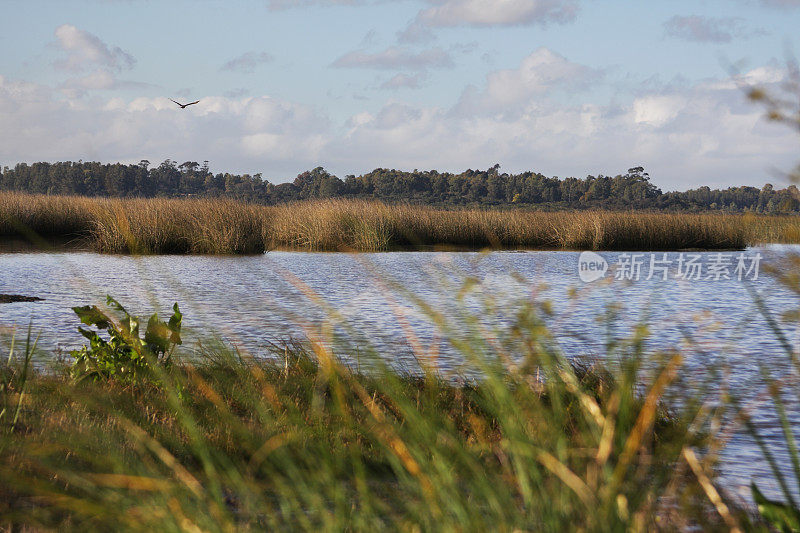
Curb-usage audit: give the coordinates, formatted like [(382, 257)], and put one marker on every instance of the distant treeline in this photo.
[(632, 190)]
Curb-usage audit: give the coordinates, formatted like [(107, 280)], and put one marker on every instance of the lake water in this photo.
[(373, 300)]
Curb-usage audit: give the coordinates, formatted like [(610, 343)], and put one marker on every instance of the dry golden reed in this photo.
[(228, 227)]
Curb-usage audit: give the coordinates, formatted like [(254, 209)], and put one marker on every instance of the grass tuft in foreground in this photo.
[(231, 443)]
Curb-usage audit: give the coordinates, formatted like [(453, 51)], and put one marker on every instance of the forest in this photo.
[(475, 188)]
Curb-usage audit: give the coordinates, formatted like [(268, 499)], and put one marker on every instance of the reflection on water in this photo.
[(371, 298)]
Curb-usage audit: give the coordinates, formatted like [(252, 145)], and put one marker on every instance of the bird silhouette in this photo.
[(184, 106)]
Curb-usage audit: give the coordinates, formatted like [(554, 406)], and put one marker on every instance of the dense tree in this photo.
[(631, 190)]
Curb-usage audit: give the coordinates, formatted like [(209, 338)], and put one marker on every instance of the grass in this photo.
[(228, 227), (308, 437), (301, 441)]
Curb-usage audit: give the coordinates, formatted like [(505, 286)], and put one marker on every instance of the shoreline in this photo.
[(29, 248)]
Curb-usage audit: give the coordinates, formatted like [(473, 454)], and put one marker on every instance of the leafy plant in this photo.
[(124, 355)]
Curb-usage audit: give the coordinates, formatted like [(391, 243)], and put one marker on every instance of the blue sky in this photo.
[(564, 87)]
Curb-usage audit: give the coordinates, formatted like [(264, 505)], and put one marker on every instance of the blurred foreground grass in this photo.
[(299, 439)]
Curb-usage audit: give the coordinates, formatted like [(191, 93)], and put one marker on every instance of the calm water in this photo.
[(252, 301)]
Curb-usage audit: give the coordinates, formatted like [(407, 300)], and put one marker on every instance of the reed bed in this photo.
[(46, 216), (229, 227), (184, 227), (521, 437)]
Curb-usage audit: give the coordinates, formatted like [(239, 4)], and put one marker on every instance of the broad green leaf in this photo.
[(93, 316), (89, 334), (114, 304), (175, 322), (157, 334)]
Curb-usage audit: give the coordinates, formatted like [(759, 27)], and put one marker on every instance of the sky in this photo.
[(561, 87)]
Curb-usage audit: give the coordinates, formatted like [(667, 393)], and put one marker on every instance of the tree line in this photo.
[(631, 190)]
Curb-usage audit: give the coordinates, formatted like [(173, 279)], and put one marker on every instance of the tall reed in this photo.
[(228, 227), (182, 227), (38, 215)]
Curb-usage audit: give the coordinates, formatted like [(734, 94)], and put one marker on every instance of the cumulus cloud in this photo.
[(767, 75), (657, 110), (706, 133), (684, 137), (706, 29), (247, 62), (486, 13), (86, 50), (684, 134), (396, 58), (498, 12), (244, 133), (508, 91)]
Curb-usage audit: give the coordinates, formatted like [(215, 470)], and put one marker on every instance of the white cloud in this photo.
[(485, 14), (509, 91), (396, 57), (498, 12), (757, 77), (84, 49), (707, 133), (657, 110), (249, 134)]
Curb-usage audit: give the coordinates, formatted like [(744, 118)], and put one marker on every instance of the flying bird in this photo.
[(184, 106)]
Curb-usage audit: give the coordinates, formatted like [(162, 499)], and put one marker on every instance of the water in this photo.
[(372, 299)]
